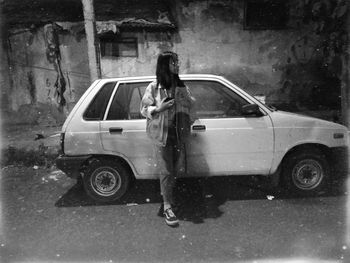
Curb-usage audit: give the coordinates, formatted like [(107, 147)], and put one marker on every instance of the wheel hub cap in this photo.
[(106, 183), (307, 174)]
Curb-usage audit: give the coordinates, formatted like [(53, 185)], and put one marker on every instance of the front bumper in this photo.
[(339, 161), (71, 165)]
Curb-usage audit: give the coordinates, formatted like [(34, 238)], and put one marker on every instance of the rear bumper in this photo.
[(71, 165)]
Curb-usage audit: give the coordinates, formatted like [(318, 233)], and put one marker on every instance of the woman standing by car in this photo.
[(166, 104)]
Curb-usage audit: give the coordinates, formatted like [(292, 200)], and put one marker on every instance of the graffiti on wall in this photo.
[(54, 57), (31, 86)]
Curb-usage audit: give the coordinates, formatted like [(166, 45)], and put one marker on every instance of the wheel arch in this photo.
[(276, 176), (310, 180), (307, 147), (115, 158)]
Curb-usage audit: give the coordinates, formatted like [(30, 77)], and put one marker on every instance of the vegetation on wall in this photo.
[(311, 76), (329, 19)]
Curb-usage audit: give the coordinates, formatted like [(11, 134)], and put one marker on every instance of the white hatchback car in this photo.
[(104, 138)]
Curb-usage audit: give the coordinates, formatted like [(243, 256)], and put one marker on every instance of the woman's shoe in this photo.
[(170, 217)]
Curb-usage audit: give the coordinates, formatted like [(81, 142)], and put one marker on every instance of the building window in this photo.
[(112, 46), (265, 14)]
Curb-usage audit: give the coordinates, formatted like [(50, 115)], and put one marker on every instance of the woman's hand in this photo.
[(164, 105)]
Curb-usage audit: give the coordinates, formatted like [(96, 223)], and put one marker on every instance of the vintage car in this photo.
[(104, 139)]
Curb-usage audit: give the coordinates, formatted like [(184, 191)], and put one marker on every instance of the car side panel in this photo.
[(233, 146), (129, 139), (83, 138), (292, 130)]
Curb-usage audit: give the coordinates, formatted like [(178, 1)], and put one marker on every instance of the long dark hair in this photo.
[(163, 72)]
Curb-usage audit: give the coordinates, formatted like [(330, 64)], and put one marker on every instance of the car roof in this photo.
[(182, 76)]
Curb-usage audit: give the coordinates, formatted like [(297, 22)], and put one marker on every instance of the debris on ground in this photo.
[(131, 204), (270, 197)]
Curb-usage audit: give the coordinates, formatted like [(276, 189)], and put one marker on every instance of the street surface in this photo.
[(46, 217)]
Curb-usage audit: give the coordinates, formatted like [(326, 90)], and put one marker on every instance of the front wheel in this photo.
[(306, 172), (106, 180)]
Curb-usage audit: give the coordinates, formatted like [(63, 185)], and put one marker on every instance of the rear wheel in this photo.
[(106, 180), (306, 172)]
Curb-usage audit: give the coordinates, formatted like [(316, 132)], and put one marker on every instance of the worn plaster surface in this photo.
[(298, 68)]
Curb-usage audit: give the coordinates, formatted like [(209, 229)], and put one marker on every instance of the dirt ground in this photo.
[(47, 217)]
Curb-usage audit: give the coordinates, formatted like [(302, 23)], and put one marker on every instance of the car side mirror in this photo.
[(251, 110)]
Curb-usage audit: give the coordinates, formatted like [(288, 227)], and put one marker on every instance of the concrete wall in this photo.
[(5, 82), (34, 76), (32, 97), (298, 68), (212, 40), (4, 76)]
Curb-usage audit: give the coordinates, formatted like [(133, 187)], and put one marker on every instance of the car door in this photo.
[(123, 130), (223, 141)]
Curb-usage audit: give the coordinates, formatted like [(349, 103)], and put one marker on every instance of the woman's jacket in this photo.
[(157, 123)]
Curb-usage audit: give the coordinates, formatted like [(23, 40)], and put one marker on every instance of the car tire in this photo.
[(306, 172), (106, 180)]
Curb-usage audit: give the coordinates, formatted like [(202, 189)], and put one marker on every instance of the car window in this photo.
[(126, 101), (135, 100), (97, 107), (215, 100)]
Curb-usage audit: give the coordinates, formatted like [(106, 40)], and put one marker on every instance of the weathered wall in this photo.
[(149, 46), (75, 65), (34, 95), (345, 94), (4, 72), (212, 40), (299, 68), (5, 82)]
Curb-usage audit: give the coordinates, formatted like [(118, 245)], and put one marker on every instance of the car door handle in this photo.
[(198, 127), (115, 130)]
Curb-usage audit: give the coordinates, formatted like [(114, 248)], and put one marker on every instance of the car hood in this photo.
[(284, 119)]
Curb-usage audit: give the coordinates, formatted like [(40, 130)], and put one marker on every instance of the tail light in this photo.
[(62, 142)]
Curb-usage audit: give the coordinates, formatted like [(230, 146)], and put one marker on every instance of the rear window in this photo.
[(97, 107)]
